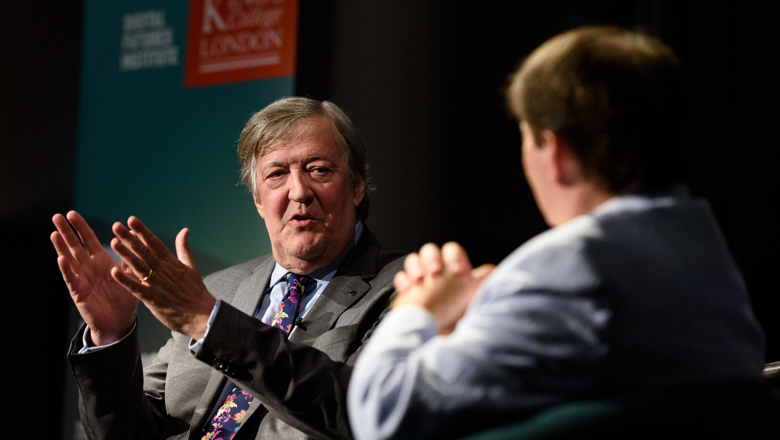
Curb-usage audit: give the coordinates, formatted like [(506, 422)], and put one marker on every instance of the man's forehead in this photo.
[(308, 152)]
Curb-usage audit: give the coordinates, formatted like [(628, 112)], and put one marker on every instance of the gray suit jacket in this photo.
[(299, 383)]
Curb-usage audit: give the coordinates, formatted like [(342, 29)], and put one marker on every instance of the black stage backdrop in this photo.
[(421, 80)]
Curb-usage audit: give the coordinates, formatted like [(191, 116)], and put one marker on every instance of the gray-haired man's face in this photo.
[(305, 197)]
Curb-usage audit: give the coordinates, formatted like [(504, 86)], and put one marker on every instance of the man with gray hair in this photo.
[(263, 349)]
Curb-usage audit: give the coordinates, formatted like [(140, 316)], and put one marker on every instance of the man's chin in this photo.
[(305, 250)]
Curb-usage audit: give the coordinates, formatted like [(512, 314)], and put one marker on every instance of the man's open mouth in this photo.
[(302, 219)]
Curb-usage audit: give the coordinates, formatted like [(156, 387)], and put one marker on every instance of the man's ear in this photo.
[(360, 192), (259, 206), (566, 169)]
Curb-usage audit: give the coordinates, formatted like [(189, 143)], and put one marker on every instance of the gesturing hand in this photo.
[(170, 287), (106, 306), (441, 280)]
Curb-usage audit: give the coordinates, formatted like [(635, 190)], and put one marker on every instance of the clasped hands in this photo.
[(106, 294), (442, 281)]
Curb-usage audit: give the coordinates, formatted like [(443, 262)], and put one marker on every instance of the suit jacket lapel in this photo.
[(248, 293), (246, 298), (346, 287)]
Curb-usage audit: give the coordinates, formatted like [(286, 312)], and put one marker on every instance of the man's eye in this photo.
[(319, 170), (274, 174)]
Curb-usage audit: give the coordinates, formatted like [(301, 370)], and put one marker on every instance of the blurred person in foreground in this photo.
[(633, 289), (263, 349)]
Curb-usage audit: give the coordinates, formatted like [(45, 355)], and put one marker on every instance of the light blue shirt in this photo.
[(641, 293)]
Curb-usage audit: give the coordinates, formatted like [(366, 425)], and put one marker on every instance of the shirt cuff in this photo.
[(407, 324), (195, 345), (85, 348)]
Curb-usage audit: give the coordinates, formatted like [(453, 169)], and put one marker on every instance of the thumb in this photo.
[(183, 249), (481, 272)]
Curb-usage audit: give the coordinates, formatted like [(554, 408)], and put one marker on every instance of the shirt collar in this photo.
[(645, 200), (323, 272)]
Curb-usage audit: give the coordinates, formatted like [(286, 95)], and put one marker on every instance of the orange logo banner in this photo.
[(240, 40)]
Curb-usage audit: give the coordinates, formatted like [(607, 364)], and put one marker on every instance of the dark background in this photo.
[(422, 81)]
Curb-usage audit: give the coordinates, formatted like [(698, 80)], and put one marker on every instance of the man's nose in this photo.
[(300, 190)]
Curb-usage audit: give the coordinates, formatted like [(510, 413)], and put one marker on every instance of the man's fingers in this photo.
[(67, 273), (430, 260), (155, 244), (133, 285), (86, 233), (61, 247), (183, 250), (456, 261), (132, 241), (400, 282), (412, 268), (129, 259), (69, 238)]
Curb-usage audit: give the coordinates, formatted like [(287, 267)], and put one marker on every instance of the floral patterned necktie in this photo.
[(291, 303), (230, 414)]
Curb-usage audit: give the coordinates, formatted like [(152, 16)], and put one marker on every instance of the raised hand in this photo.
[(440, 280), (106, 306), (170, 287)]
